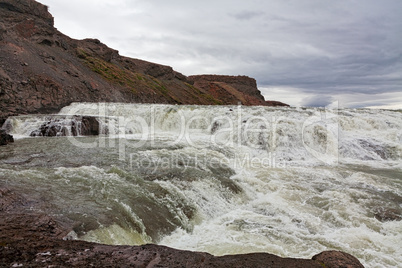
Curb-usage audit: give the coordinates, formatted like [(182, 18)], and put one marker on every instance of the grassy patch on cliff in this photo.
[(138, 82), (123, 77), (198, 93), (159, 86), (110, 71)]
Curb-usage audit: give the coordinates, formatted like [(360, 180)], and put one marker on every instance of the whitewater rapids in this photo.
[(221, 179)]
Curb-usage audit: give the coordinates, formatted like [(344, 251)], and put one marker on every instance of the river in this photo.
[(220, 179)]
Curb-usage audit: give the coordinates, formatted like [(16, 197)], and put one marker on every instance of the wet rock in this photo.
[(375, 147), (8, 200), (215, 126), (5, 138), (337, 259), (74, 126), (90, 126), (52, 128), (2, 31), (388, 214)]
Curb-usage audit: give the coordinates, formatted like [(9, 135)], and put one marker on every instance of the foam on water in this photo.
[(292, 134), (297, 213)]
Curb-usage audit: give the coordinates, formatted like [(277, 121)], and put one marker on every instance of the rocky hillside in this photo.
[(42, 70)]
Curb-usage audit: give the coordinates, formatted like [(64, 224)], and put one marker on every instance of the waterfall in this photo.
[(220, 179)]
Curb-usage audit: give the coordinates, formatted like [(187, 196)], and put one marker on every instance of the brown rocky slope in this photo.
[(42, 70)]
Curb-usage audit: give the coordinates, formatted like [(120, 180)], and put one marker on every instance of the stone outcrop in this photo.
[(30, 7), (385, 214), (33, 239), (5, 138), (230, 89), (42, 70), (337, 259), (276, 104), (72, 126)]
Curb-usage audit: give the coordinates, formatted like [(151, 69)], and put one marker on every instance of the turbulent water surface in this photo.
[(220, 179)]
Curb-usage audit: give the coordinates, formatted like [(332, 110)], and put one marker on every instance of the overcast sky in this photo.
[(301, 52)]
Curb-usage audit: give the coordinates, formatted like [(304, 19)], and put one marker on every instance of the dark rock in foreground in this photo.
[(31, 239), (337, 259), (5, 138)]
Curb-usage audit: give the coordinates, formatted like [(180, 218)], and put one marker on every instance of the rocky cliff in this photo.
[(232, 89), (42, 70)]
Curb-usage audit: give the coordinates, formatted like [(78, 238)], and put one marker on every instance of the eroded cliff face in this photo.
[(230, 89), (233, 89), (42, 70)]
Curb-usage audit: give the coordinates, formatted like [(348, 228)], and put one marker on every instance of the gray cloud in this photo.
[(317, 101), (310, 47), (247, 15)]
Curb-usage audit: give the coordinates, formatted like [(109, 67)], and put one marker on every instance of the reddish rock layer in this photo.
[(5, 138), (232, 89), (276, 104)]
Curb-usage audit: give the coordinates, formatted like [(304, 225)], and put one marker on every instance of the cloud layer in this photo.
[(307, 52)]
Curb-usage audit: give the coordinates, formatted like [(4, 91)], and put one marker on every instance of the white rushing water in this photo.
[(222, 179)]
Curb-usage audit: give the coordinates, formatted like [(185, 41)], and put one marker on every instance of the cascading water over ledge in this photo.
[(75, 126), (53, 125)]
